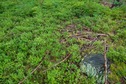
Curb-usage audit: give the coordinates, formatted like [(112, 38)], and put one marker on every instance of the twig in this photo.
[(105, 60), (89, 44), (45, 69), (32, 71), (102, 34), (57, 63)]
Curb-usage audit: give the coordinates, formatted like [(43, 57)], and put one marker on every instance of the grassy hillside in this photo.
[(55, 34)]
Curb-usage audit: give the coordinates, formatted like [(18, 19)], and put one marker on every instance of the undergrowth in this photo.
[(31, 30)]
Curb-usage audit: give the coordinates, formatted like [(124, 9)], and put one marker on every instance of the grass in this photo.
[(30, 30)]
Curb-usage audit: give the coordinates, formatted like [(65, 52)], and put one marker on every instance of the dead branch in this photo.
[(32, 71), (45, 69), (105, 60), (57, 63)]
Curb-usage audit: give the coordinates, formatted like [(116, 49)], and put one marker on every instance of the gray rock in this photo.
[(93, 66)]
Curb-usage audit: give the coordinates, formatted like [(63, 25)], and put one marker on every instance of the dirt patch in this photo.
[(84, 36), (115, 3), (83, 33), (123, 80), (107, 4)]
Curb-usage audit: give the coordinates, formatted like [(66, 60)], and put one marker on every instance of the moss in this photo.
[(30, 30)]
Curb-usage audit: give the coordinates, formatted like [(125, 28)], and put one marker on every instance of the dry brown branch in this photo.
[(102, 35), (105, 60), (43, 70), (57, 63), (32, 71)]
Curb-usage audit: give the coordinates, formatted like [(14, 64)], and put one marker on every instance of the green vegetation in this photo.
[(32, 31)]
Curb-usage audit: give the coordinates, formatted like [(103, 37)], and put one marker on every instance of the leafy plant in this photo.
[(32, 29)]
